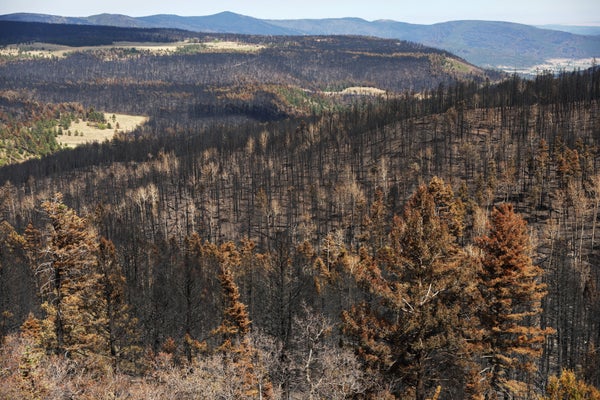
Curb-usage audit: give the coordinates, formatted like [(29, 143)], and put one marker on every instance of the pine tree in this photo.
[(235, 329), (413, 328), (66, 267), (11, 258), (236, 322), (512, 293), (120, 328), (190, 274)]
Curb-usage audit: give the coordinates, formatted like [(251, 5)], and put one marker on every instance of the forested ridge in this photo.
[(79, 35), (439, 244)]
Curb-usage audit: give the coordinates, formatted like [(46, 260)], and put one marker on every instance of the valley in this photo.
[(555, 65)]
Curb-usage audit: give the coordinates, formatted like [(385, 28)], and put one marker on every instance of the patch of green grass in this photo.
[(188, 49), (306, 102)]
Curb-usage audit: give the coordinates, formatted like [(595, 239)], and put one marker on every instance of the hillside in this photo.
[(16, 32), (484, 43), (292, 217), (502, 45), (315, 197), (225, 22), (209, 77), (579, 30)]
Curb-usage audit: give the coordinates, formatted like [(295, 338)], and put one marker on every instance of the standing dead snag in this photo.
[(236, 321), (235, 329)]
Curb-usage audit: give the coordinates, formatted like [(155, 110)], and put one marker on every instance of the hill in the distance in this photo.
[(486, 43), (577, 29), (216, 77), (225, 22)]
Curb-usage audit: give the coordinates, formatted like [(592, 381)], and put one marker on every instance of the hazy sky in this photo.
[(535, 12)]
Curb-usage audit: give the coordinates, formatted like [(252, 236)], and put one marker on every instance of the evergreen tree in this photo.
[(512, 293), (11, 258), (235, 329), (236, 322), (66, 266), (120, 329), (412, 328)]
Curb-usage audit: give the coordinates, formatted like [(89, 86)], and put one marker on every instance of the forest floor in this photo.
[(84, 132)]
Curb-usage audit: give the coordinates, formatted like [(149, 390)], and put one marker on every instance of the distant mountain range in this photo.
[(579, 30), (484, 43)]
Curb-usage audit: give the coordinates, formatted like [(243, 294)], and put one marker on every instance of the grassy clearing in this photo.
[(359, 90), (233, 46), (48, 50), (83, 132)]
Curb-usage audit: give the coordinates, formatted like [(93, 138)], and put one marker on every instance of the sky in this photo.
[(532, 12)]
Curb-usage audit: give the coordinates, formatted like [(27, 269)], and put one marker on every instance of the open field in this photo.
[(82, 132), (48, 50), (233, 46), (358, 90)]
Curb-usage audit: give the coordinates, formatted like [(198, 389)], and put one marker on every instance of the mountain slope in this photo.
[(118, 20), (485, 43), (209, 78), (331, 63), (45, 18), (225, 22), (576, 29), (12, 32)]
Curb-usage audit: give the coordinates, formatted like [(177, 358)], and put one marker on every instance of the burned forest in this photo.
[(298, 217)]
